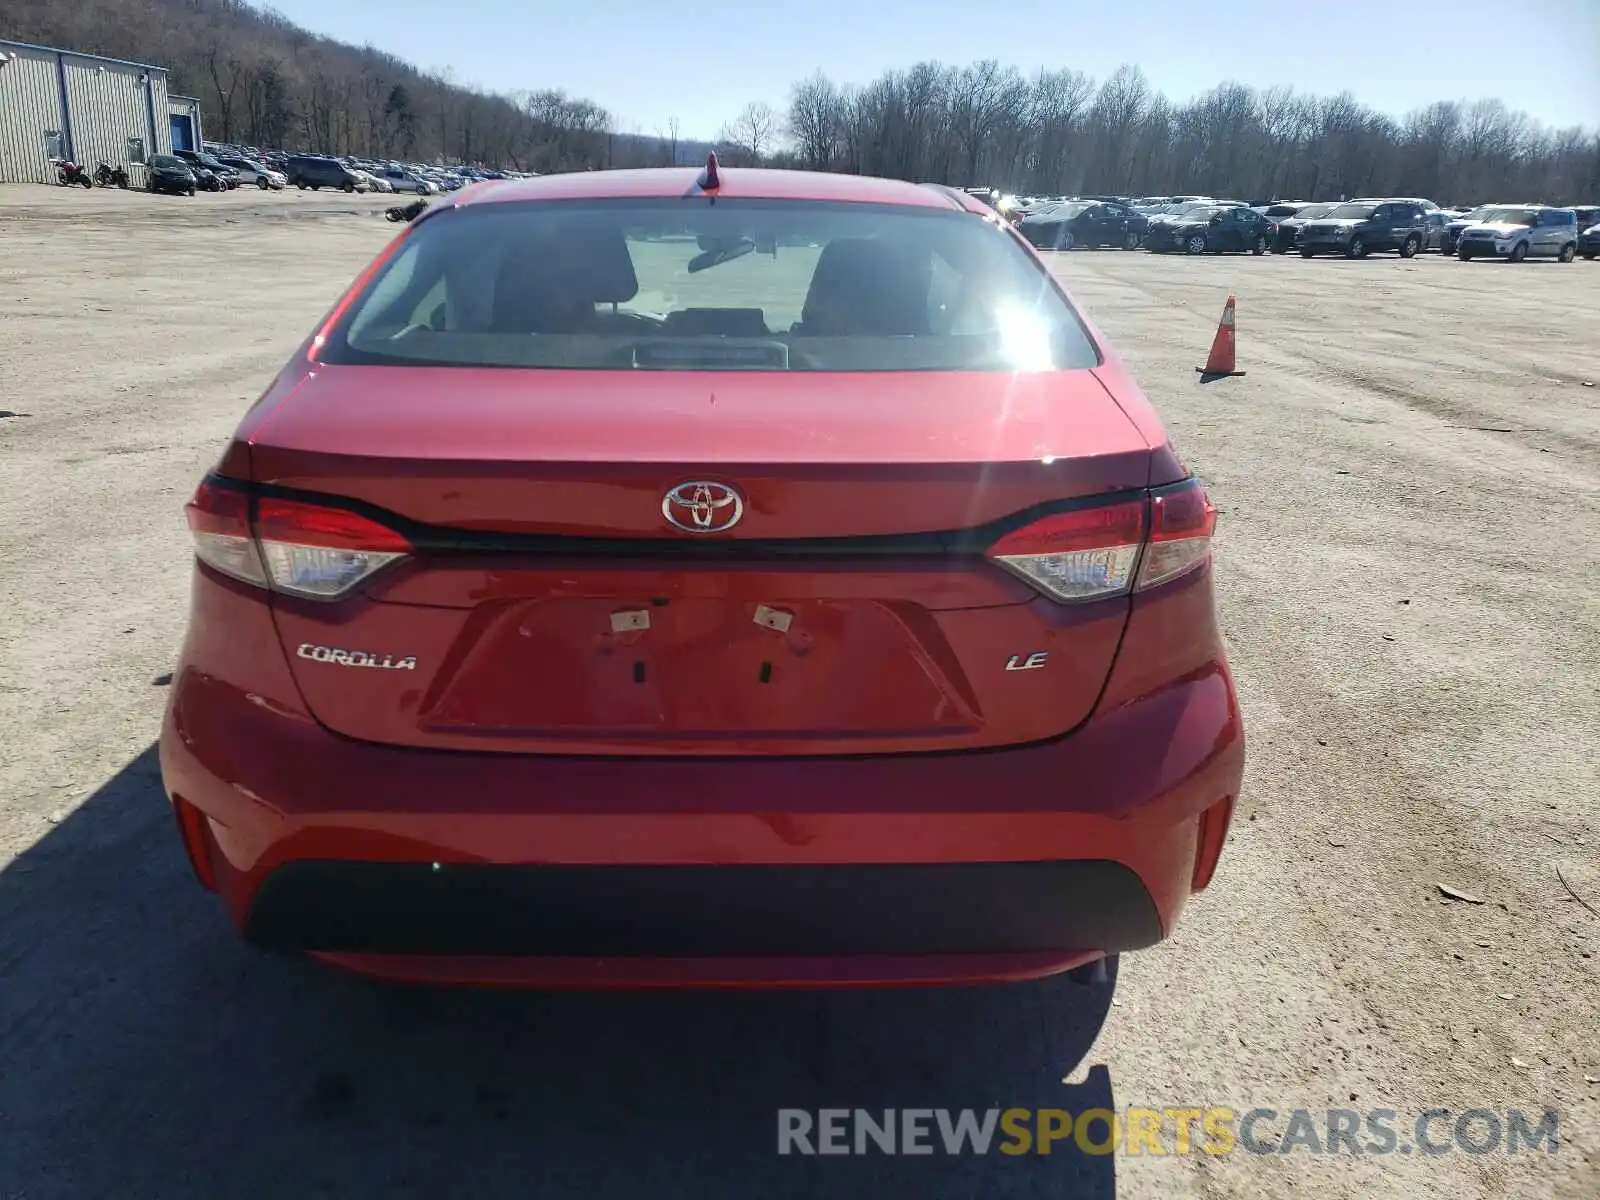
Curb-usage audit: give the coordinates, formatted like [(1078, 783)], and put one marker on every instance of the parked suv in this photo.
[(304, 171), (1515, 233), (1363, 227)]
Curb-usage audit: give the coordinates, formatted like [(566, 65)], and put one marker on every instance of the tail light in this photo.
[(1110, 550), (1182, 519), (290, 546), (1085, 554)]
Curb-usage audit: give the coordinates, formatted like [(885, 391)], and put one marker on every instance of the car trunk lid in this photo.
[(549, 605)]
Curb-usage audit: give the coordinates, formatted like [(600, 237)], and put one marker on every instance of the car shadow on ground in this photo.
[(144, 1052)]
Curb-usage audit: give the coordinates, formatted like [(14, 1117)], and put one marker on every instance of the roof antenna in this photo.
[(710, 181)]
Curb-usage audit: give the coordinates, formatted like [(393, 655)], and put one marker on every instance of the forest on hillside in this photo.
[(1062, 132), (264, 81)]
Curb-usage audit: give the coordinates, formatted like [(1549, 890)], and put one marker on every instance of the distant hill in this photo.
[(264, 81)]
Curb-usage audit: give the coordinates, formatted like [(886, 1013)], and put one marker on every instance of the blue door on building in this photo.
[(182, 133)]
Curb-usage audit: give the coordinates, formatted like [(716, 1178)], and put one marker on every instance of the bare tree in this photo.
[(817, 112), (224, 73), (752, 132)]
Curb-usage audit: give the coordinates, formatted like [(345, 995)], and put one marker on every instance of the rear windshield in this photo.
[(1353, 212), (745, 285)]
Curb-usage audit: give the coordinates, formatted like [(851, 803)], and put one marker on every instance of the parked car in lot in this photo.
[(254, 173), (1159, 230), (1589, 242), (1006, 681), (205, 165), (1286, 229), (1450, 235), (366, 181), (1364, 227), (402, 180), (1083, 223), (1433, 227), (307, 171), (171, 175), (1525, 231), (1215, 230)]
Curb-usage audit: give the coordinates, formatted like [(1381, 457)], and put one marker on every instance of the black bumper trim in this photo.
[(711, 911)]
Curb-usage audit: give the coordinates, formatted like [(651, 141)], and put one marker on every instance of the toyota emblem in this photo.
[(702, 507)]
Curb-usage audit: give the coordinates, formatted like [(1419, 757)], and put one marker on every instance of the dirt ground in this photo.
[(1407, 557)]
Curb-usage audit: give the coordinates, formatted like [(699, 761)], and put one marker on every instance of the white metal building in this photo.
[(61, 104)]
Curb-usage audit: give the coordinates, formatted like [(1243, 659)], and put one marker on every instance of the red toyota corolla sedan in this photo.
[(677, 577)]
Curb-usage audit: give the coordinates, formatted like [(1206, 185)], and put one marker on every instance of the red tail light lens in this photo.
[(1086, 554), (1182, 519), (329, 528), (1093, 553), (298, 548)]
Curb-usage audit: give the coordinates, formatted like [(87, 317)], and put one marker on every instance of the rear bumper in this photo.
[(545, 870), (689, 910)]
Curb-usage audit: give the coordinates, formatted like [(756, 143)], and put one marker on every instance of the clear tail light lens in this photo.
[(1086, 554), (291, 546), (219, 520), (1110, 550)]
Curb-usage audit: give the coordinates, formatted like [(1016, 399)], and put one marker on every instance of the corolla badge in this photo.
[(702, 506), (357, 658)]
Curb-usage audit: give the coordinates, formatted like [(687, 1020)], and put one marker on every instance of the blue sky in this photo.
[(646, 60)]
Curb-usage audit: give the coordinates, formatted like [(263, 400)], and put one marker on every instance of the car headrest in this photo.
[(544, 285), (866, 286), (595, 259)]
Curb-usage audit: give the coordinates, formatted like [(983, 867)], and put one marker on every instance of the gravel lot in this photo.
[(1409, 477)]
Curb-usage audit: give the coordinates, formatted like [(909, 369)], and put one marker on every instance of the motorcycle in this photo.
[(407, 212), (69, 173), (107, 176)]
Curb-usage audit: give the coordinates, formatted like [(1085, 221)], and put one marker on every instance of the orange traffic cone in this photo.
[(1220, 361)]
